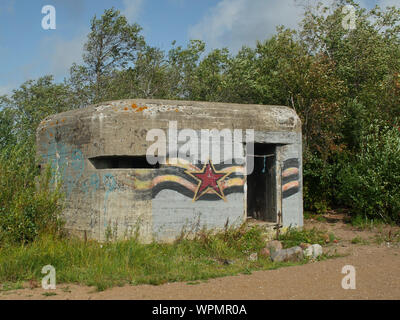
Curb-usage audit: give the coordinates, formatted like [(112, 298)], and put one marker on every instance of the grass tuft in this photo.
[(294, 237)]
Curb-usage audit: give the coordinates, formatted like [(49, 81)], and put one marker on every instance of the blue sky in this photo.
[(28, 52)]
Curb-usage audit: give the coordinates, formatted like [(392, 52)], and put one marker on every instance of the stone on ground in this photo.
[(265, 252), (304, 245), (274, 245), (313, 251), (292, 254)]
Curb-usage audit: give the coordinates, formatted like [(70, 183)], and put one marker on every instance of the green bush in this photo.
[(294, 237), (319, 177), (370, 185), (29, 204)]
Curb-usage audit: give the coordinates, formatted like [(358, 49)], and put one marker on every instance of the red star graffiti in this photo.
[(209, 179)]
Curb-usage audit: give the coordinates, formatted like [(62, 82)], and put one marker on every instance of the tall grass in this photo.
[(130, 262), (29, 204)]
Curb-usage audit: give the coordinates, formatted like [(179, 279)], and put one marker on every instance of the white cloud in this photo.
[(61, 53), (132, 9), (233, 23)]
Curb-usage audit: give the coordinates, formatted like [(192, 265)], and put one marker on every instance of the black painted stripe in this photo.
[(170, 185), (290, 192), (293, 162), (292, 177)]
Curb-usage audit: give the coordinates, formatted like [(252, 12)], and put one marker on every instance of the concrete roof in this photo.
[(147, 114)]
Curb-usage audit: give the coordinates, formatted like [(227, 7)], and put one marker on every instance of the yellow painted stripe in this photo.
[(172, 178), (232, 183), (182, 163), (290, 171)]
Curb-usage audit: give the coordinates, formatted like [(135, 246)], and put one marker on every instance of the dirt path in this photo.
[(377, 277)]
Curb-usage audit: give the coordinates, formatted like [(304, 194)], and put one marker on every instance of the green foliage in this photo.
[(183, 64), (34, 100), (209, 82), (363, 222), (365, 58), (370, 184), (148, 79), (240, 239), (29, 206), (7, 118), (320, 182)]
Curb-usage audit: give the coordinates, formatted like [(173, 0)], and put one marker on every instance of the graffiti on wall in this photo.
[(290, 177), (199, 182), (66, 161)]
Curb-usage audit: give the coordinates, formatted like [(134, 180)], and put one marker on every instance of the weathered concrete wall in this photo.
[(161, 202)]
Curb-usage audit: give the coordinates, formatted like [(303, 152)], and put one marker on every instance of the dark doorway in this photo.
[(261, 183)]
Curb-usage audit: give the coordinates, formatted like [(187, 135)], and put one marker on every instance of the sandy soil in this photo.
[(377, 277)]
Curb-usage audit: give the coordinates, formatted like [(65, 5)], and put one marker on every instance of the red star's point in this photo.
[(209, 179)]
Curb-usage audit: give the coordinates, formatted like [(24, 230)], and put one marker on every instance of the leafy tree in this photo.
[(240, 78), (29, 104), (148, 78), (366, 59), (151, 73), (209, 80), (111, 45), (182, 65), (281, 71)]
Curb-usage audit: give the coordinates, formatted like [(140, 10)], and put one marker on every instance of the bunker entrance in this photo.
[(261, 183)]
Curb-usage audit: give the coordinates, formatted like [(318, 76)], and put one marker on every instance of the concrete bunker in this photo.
[(112, 190)]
